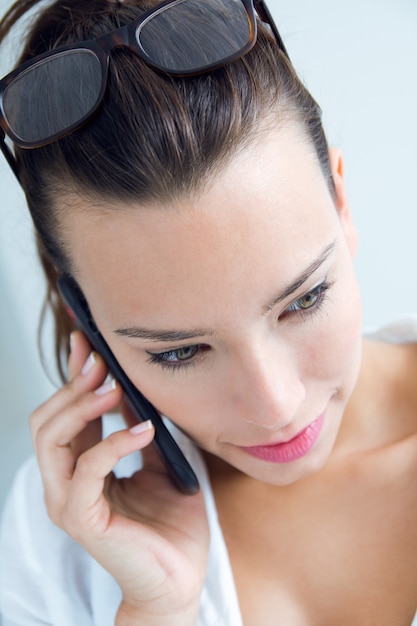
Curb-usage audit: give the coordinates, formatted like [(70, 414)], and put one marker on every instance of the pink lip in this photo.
[(291, 450)]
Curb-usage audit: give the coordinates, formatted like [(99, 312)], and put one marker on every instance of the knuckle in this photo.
[(113, 440), (74, 390), (114, 444), (37, 439), (83, 406), (40, 437), (36, 418), (79, 404)]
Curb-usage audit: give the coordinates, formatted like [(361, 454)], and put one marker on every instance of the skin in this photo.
[(253, 383), (213, 264)]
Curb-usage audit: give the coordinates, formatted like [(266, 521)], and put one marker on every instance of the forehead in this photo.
[(269, 212)]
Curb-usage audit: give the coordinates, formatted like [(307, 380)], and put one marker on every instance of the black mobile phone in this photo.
[(178, 467)]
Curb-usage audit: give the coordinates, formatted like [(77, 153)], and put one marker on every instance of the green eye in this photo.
[(311, 300), (308, 300), (178, 357), (183, 354)]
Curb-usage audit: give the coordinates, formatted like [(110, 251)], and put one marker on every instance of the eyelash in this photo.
[(319, 292), (162, 358)]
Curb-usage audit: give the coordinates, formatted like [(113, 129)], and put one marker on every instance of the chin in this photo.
[(290, 473)]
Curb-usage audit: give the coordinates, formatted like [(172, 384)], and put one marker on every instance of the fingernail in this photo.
[(88, 364), (141, 427), (109, 386), (71, 341)]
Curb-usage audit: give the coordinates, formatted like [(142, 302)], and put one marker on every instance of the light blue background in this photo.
[(359, 59)]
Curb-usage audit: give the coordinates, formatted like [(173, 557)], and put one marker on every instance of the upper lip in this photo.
[(286, 440)]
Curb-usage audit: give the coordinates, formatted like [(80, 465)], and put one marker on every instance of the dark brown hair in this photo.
[(155, 136)]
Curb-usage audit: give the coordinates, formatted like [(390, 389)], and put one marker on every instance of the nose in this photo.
[(267, 388)]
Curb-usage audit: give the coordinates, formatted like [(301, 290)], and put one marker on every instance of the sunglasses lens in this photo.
[(190, 35), (53, 95)]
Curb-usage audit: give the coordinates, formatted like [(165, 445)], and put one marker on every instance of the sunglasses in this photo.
[(57, 92)]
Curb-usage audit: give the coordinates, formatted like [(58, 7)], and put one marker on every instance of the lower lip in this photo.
[(291, 450)]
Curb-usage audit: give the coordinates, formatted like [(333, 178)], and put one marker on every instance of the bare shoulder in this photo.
[(407, 384), (384, 408), (389, 376), (389, 385)]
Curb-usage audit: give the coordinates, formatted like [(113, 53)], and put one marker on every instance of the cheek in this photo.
[(189, 399), (178, 396), (336, 347)]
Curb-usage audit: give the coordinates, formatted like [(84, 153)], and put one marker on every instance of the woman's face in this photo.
[(235, 310)]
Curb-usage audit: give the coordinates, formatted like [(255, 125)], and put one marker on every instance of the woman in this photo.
[(194, 200)]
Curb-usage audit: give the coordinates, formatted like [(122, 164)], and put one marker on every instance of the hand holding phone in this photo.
[(178, 467)]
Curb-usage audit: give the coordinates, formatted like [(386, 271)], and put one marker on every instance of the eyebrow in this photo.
[(163, 335), (159, 335)]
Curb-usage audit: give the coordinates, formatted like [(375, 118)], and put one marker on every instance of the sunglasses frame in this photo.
[(103, 46)]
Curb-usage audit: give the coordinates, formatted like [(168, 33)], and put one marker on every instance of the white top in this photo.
[(47, 579)]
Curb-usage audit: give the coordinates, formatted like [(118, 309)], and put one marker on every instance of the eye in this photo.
[(178, 358), (310, 301), (181, 354), (306, 302)]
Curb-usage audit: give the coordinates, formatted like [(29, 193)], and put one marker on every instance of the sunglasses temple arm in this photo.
[(9, 155), (265, 15)]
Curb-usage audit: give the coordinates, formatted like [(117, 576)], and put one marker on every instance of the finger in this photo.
[(151, 458), (80, 350), (59, 432), (57, 456), (78, 361), (91, 377), (59, 425), (86, 503)]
